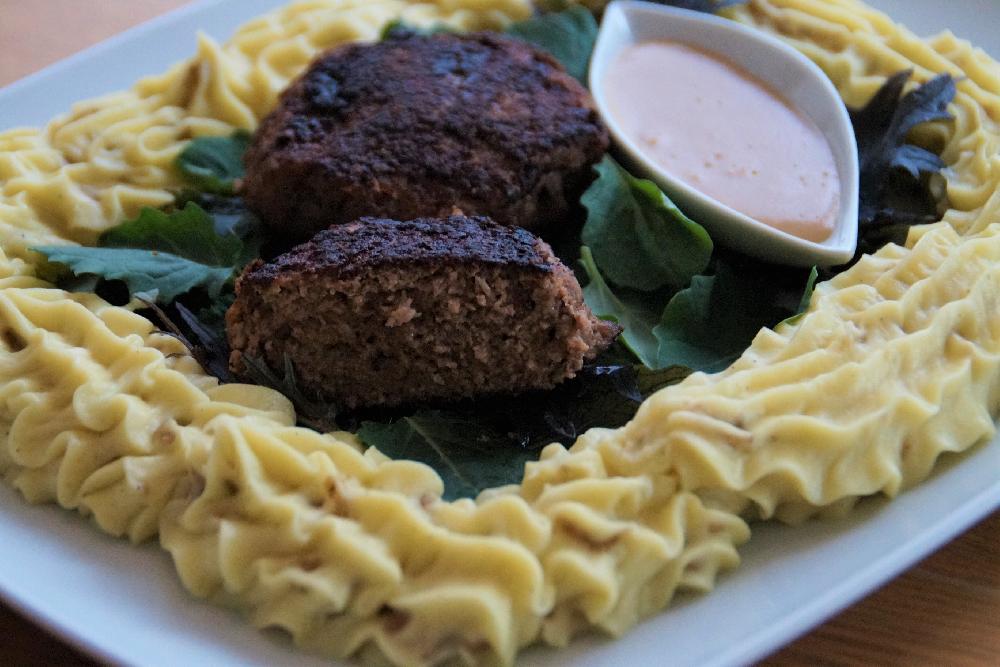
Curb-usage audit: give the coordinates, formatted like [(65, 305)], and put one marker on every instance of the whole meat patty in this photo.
[(382, 313), (418, 126)]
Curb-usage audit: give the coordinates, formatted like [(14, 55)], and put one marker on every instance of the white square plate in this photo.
[(125, 604)]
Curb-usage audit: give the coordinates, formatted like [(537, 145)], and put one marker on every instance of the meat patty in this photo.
[(380, 312), (425, 126)]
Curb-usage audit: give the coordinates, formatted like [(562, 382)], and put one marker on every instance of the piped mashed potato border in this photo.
[(895, 363)]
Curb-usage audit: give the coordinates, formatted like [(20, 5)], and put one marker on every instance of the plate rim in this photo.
[(879, 573), (38, 77)]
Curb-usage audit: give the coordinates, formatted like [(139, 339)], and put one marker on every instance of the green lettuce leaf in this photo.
[(638, 237), (638, 313), (231, 217), (480, 444), (213, 164), (400, 28), (311, 411), (568, 35), (151, 274), (160, 255), (808, 292), (604, 396), (711, 323), (463, 451), (706, 6), (188, 232)]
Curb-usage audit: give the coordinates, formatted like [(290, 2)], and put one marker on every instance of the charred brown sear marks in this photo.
[(370, 242), (420, 126), (382, 313)]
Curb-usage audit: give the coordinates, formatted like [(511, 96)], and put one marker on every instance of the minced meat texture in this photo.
[(384, 313), (418, 126)]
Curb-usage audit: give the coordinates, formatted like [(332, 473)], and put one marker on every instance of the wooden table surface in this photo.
[(944, 611)]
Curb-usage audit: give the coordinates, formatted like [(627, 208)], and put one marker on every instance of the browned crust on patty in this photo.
[(420, 126), (343, 251), (382, 313)]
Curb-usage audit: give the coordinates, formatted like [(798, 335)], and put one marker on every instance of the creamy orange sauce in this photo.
[(722, 131)]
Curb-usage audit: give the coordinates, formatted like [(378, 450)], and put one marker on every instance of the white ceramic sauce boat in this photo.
[(800, 82)]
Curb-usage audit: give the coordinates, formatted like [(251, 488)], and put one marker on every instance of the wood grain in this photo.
[(944, 611), (36, 33)]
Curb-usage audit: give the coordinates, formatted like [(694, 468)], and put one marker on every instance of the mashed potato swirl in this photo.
[(895, 363)]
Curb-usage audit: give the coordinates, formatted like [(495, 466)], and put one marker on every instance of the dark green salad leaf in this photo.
[(230, 217), (638, 237), (707, 6), (893, 184), (400, 28), (204, 338), (312, 412), (480, 444), (807, 292), (461, 451), (229, 214), (635, 238), (637, 313), (150, 274), (568, 35), (213, 164), (603, 396), (711, 323), (188, 232), (161, 255), (209, 329)]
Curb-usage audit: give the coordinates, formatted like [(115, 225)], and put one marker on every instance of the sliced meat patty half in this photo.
[(425, 126), (382, 313)]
